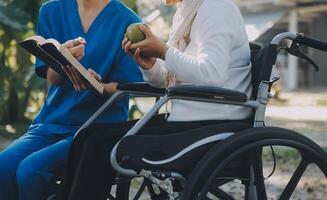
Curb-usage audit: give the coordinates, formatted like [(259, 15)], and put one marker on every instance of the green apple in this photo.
[(134, 34)]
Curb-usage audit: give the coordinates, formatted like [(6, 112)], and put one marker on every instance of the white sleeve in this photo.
[(156, 76), (216, 33)]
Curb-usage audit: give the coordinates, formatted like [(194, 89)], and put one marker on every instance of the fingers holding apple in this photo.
[(126, 44), (141, 37), (145, 63)]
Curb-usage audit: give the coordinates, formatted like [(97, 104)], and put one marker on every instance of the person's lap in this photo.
[(89, 170), (32, 161)]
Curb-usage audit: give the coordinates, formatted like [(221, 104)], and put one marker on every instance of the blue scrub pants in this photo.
[(31, 165)]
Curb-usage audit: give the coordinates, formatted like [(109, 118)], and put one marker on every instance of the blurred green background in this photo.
[(20, 89)]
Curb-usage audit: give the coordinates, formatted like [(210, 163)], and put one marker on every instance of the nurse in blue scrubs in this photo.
[(30, 166)]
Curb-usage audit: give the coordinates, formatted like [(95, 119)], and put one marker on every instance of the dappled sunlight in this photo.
[(10, 129), (311, 187)]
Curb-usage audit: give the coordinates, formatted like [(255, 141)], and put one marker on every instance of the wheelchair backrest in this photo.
[(263, 58)]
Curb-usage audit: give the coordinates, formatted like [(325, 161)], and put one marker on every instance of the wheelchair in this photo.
[(196, 165)]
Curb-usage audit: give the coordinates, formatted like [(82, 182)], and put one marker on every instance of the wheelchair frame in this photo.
[(219, 95)]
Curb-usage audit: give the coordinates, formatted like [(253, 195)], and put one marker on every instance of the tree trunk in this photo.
[(13, 104)]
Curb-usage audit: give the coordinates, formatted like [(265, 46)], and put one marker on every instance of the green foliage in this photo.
[(134, 111), (17, 79), (131, 4)]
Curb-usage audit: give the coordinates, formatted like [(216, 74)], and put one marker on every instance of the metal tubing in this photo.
[(287, 35), (133, 131), (107, 104)]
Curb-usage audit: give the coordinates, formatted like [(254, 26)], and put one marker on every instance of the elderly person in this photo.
[(208, 45)]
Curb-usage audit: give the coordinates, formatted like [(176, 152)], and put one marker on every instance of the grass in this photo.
[(278, 102), (282, 154), (322, 102)]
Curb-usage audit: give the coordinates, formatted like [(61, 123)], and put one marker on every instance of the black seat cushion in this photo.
[(133, 149)]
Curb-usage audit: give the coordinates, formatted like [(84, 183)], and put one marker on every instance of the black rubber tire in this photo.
[(122, 190), (214, 158)]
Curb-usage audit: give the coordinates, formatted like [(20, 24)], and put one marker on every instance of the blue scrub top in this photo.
[(64, 109)]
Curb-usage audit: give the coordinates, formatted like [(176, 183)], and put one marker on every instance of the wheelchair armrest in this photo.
[(206, 93), (141, 88)]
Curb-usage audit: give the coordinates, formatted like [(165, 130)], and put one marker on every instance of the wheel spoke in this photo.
[(110, 197), (258, 174), (291, 185), (140, 191), (161, 195), (150, 188), (219, 193)]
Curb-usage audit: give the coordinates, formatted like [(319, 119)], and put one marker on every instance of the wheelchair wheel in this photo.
[(137, 188), (216, 168)]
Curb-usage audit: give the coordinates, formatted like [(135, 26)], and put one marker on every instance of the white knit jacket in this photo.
[(218, 55)]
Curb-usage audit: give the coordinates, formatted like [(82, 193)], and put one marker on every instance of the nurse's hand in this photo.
[(152, 46), (145, 63), (78, 80), (76, 47)]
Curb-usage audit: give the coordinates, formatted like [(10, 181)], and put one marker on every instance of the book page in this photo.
[(54, 42), (50, 55), (39, 39)]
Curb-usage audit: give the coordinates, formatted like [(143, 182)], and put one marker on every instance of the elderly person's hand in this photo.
[(145, 63), (146, 52), (152, 46)]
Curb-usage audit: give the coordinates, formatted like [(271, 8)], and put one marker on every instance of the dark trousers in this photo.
[(89, 174)]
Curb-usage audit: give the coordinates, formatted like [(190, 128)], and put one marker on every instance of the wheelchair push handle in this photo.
[(310, 42), (298, 40)]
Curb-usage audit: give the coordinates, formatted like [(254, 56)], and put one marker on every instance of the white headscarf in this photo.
[(182, 24)]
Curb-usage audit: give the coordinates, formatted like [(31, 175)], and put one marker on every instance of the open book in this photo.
[(54, 55)]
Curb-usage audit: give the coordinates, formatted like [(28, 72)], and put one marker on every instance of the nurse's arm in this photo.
[(53, 77), (109, 88), (80, 83)]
